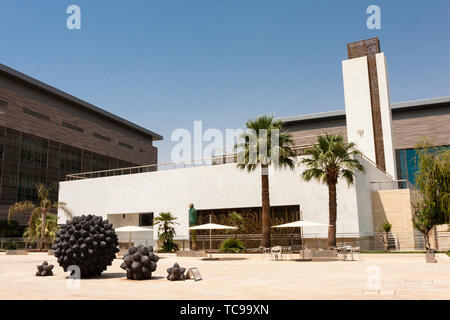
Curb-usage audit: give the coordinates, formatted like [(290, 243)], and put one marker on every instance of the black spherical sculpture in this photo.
[(88, 242), (176, 273), (44, 270), (139, 262)]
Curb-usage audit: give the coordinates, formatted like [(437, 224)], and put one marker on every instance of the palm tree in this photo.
[(38, 216), (166, 230), (238, 221), (331, 158), (51, 226), (250, 157)]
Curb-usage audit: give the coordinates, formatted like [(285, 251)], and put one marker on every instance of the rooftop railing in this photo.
[(215, 160)]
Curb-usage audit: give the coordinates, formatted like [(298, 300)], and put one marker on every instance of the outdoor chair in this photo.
[(266, 252), (276, 253), (357, 251), (343, 251), (286, 251)]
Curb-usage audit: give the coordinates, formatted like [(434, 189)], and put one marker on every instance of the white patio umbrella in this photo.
[(132, 229), (300, 224), (211, 226)]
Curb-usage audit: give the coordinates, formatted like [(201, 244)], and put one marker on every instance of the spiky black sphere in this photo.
[(139, 262), (88, 242), (176, 273), (44, 269)]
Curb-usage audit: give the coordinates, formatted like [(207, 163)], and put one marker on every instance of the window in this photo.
[(102, 137), (33, 152), (71, 126), (70, 159), (122, 144), (3, 105), (99, 162), (146, 219), (36, 114), (407, 164)]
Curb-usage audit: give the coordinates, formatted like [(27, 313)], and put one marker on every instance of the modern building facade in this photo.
[(384, 132), (411, 121), (46, 134)]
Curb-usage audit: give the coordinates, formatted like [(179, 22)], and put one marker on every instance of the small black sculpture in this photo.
[(88, 242), (44, 269), (139, 262), (176, 273)]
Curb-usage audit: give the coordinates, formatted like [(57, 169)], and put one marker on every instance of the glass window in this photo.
[(146, 219), (102, 137)]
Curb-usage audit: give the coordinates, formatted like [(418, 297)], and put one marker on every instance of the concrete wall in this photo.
[(395, 207), (364, 187), (358, 109), (214, 187)]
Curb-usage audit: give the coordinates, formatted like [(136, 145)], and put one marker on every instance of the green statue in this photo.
[(192, 222), (192, 215)]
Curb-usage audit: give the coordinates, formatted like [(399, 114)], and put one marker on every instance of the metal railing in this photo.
[(393, 184), (25, 243), (215, 160)]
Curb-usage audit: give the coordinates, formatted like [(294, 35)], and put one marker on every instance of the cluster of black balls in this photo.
[(176, 273), (139, 262), (44, 269), (88, 242)]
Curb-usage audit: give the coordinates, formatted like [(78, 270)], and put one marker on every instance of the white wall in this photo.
[(364, 187), (358, 108), (386, 115), (211, 187)]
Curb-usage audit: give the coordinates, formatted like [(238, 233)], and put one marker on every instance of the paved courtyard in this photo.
[(246, 276)]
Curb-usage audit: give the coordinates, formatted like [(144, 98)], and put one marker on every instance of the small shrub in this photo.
[(232, 245), (11, 246), (386, 226)]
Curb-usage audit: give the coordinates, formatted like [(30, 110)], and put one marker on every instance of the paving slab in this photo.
[(238, 276)]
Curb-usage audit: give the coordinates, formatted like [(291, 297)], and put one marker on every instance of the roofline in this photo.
[(339, 114), (88, 106)]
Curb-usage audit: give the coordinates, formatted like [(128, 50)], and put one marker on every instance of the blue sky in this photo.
[(163, 64)]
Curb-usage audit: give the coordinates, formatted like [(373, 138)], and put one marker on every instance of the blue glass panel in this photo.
[(411, 162)]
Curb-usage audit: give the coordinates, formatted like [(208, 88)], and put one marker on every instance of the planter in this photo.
[(17, 252), (430, 258)]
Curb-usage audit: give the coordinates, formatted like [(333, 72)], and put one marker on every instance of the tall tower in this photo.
[(367, 103)]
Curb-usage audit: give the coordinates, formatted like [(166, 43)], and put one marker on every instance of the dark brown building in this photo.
[(46, 134), (412, 120)]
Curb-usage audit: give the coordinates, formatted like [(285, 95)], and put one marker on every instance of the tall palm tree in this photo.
[(250, 157), (38, 216), (331, 158)]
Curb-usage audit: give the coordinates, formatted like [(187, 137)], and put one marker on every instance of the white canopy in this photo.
[(211, 226), (132, 229), (300, 223)]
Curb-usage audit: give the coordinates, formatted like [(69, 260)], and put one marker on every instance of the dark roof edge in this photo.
[(339, 114), (41, 85)]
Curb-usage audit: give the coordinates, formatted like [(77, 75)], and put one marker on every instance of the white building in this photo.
[(122, 198)]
